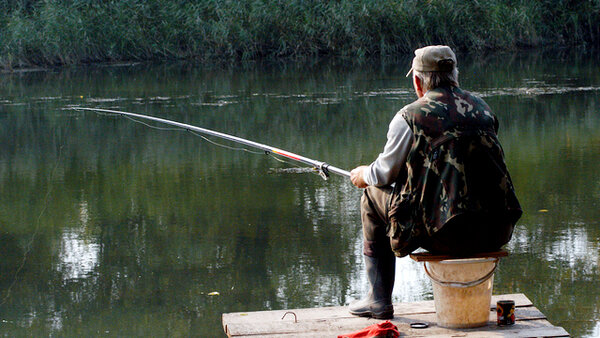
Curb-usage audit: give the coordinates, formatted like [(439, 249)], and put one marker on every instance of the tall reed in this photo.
[(39, 32)]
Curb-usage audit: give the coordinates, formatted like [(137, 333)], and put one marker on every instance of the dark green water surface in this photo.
[(111, 228)]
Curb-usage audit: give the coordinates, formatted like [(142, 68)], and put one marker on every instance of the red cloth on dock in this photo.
[(380, 330)]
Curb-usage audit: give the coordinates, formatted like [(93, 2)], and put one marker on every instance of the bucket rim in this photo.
[(462, 285), (466, 260)]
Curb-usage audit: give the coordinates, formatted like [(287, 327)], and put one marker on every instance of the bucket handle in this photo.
[(462, 285)]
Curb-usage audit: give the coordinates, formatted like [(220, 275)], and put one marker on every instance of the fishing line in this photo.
[(182, 129), (223, 145), (140, 122), (322, 168), (37, 227), (209, 140), (242, 149)]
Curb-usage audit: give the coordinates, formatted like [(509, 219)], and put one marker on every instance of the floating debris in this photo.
[(104, 99), (535, 91), (543, 210), (214, 293)]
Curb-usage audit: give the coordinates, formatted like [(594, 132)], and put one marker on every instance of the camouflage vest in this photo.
[(455, 167)]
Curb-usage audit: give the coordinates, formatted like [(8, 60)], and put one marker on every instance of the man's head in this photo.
[(432, 67)]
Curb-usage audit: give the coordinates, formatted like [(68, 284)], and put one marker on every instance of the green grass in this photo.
[(42, 33)]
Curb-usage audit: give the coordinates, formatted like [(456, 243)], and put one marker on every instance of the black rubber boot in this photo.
[(378, 303)]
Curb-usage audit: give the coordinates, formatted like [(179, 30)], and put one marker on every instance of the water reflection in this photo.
[(575, 248), (78, 257), (143, 226), (596, 331)]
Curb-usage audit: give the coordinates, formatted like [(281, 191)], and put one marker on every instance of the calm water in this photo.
[(111, 228)]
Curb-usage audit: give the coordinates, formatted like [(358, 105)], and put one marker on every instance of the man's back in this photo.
[(456, 171)]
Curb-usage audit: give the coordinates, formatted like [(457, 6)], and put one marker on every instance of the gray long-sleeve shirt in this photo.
[(387, 166)]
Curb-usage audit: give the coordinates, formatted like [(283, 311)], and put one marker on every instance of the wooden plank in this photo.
[(522, 328), (543, 332), (426, 256), (400, 309), (514, 331), (257, 326)]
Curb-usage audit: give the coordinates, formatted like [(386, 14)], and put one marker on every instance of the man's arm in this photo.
[(385, 169)]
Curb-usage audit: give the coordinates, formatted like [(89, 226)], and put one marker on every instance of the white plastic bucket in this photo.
[(462, 290)]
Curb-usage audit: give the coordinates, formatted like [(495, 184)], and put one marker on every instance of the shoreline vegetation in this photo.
[(41, 33)]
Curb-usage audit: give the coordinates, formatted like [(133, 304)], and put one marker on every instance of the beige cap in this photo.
[(433, 59)]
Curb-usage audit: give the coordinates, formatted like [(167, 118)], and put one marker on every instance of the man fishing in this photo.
[(440, 183)]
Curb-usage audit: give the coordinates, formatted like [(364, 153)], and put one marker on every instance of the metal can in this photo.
[(506, 312)]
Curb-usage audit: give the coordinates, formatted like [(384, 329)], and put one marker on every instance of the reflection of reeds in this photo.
[(35, 32)]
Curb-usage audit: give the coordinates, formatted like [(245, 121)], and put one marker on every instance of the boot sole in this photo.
[(380, 315)]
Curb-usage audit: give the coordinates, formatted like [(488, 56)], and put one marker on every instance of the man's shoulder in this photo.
[(414, 106), (473, 97), (430, 104)]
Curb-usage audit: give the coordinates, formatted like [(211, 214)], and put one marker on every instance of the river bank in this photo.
[(41, 33)]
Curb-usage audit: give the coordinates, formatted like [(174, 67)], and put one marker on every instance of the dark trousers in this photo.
[(462, 235), (374, 208)]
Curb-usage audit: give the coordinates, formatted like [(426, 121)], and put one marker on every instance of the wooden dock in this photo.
[(334, 321)]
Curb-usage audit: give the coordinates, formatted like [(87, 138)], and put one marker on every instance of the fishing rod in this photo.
[(323, 168)]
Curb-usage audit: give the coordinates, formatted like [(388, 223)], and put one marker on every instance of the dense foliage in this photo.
[(44, 32)]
